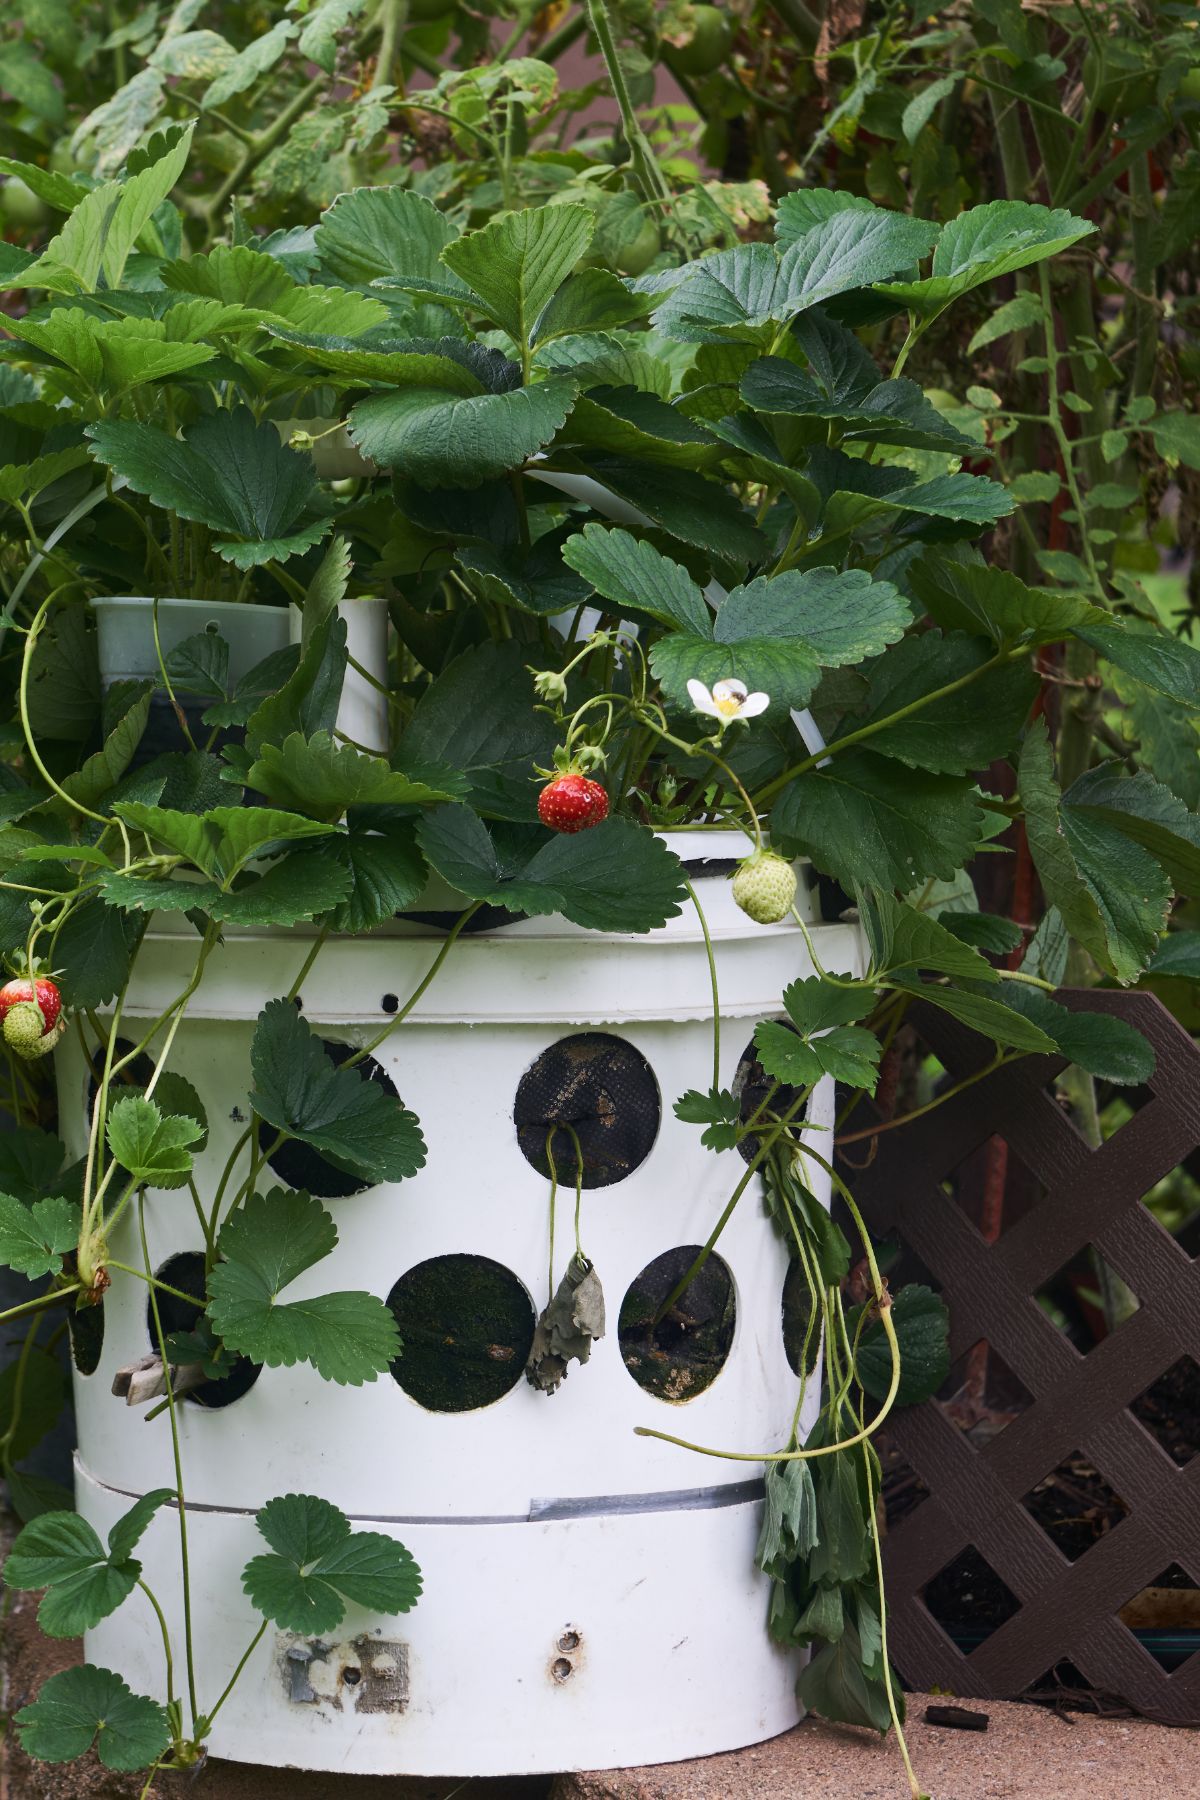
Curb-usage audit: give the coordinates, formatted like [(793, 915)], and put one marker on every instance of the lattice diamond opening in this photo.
[(1170, 1410), (1075, 1506), (1087, 1299), (969, 1599)]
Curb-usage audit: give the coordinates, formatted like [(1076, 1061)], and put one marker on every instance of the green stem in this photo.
[(255, 1641), (768, 1139), (893, 1709), (160, 1339), (166, 1639), (712, 982), (802, 1455), (399, 1017), (263, 145), (647, 174), (866, 732), (393, 16), (870, 1131), (42, 1304)]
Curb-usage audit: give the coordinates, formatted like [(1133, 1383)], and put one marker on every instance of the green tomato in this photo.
[(1189, 87), (638, 252), (708, 46), (21, 206), (423, 11)]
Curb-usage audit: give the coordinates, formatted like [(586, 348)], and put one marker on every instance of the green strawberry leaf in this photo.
[(42, 1397), (1178, 956), (902, 937), (847, 1052), (776, 633), (85, 1583), (518, 261), (386, 872), (222, 839), (1111, 892), (319, 775), (264, 1245), (34, 1239), (958, 732), (922, 1326), (372, 233), (634, 574), (867, 820), (453, 441), (227, 472), (718, 1110), (992, 603), (30, 1160), (1109, 1048), (983, 243), (815, 1004), (479, 717), (319, 1563), (990, 1018), (154, 1149), (87, 1705), (354, 1123), (614, 877)]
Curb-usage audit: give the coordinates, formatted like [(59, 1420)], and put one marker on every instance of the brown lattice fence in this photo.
[(1100, 1405)]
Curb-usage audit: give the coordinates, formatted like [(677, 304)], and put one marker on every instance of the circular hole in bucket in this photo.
[(797, 1314), (87, 1338), (303, 1167), (185, 1270), (751, 1086), (602, 1089), (466, 1324), (677, 1356), (136, 1075)]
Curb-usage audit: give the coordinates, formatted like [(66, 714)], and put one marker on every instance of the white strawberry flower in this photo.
[(727, 700)]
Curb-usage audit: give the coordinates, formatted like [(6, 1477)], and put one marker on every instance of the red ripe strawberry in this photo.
[(43, 991), (572, 803)]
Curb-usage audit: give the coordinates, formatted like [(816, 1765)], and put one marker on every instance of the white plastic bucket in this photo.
[(590, 1596), (125, 633)]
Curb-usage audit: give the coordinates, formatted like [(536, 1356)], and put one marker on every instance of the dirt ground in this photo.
[(1027, 1753)]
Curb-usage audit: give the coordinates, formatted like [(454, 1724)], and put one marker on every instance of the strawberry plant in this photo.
[(693, 538)]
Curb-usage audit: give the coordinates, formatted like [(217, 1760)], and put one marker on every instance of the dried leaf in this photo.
[(568, 1327)]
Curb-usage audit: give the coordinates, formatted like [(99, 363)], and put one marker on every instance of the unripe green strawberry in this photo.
[(26, 1032), (765, 887), (24, 1024)]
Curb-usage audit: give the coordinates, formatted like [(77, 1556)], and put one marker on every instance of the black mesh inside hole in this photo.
[(751, 1085), (678, 1356), (303, 1167), (797, 1314), (466, 1324), (87, 1338), (606, 1092), (185, 1270)]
